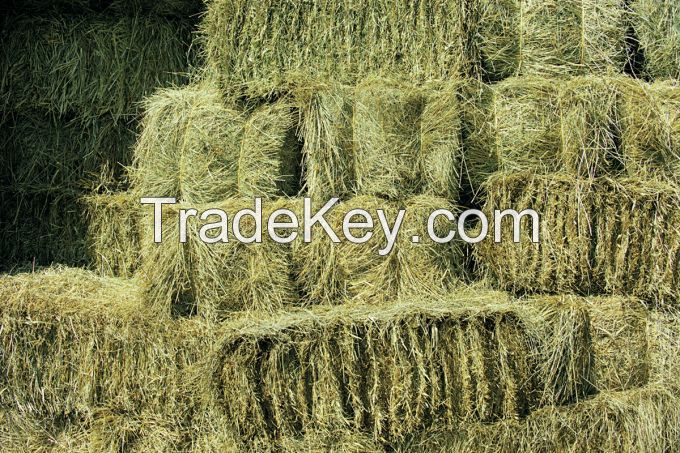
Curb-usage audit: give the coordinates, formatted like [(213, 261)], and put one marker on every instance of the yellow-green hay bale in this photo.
[(392, 370), (72, 341), (330, 273), (113, 232), (214, 280), (650, 116), (92, 64), (597, 236), (269, 159), (249, 44), (189, 146), (645, 419), (657, 28)]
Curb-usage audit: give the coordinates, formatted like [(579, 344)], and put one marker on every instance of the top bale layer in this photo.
[(657, 26)]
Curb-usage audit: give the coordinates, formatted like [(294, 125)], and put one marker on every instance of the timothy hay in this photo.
[(392, 370), (650, 116), (72, 341), (269, 159), (657, 27), (644, 419), (46, 152), (189, 146), (588, 126), (40, 228), (198, 149), (331, 273), (597, 236), (89, 64), (213, 280), (113, 233), (260, 44)]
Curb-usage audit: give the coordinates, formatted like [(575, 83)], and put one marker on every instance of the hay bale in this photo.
[(330, 273), (643, 419), (198, 149), (91, 64), (213, 280), (650, 139), (46, 152), (177, 8), (597, 236), (113, 233), (261, 44), (72, 341), (40, 228), (189, 146), (392, 370), (657, 27)]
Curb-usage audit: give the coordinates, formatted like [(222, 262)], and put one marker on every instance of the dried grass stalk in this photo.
[(113, 233), (597, 236), (177, 8), (213, 280), (89, 64), (390, 371), (657, 27)]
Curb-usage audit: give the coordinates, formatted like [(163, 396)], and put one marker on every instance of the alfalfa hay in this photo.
[(113, 232), (336, 273), (392, 370), (214, 279), (91, 64), (599, 236), (657, 27)]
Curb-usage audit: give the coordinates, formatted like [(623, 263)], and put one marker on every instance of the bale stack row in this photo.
[(71, 76)]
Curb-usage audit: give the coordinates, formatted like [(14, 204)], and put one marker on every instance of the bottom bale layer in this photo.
[(394, 370), (598, 236), (71, 341), (646, 419)]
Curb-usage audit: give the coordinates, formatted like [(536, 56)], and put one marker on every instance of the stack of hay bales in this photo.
[(70, 83)]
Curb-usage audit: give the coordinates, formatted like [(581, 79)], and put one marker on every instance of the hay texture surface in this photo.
[(198, 149), (657, 27), (214, 279), (90, 64), (335, 273), (390, 371), (176, 8), (113, 233), (259, 44), (588, 126), (597, 236)]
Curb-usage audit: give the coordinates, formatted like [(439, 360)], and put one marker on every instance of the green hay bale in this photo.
[(46, 152), (189, 146), (330, 273), (650, 115), (92, 64), (575, 36), (588, 126), (261, 44), (327, 112), (390, 371), (269, 159), (597, 236), (196, 148), (635, 420), (41, 228), (657, 27), (113, 233), (72, 341), (214, 280)]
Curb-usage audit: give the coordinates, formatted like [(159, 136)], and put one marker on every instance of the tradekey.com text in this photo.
[(285, 226)]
